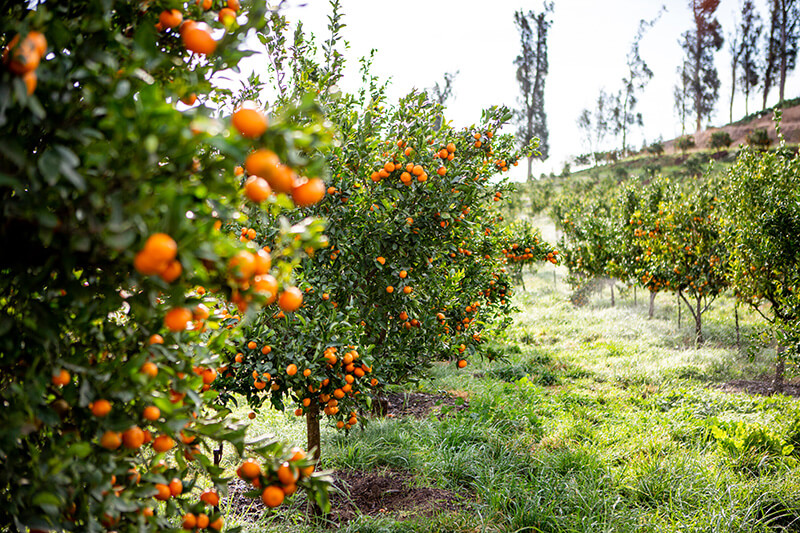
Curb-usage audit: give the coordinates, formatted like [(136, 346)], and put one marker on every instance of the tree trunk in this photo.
[(652, 309), (530, 168), (698, 324), (733, 86), (736, 319), (784, 51), (312, 430), (698, 96), (634, 295), (679, 310), (780, 366), (218, 454), (611, 284)]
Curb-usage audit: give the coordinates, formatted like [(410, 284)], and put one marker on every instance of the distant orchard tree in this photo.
[(699, 45), (781, 45), (532, 68)]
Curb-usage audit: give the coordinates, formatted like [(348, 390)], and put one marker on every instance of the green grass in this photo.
[(594, 420)]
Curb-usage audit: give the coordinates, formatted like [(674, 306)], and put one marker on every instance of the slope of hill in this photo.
[(790, 126)]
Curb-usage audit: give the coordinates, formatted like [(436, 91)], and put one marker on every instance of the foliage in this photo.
[(115, 277), (782, 44), (759, 139), (656, 148), (749, 52), (762, 214), (412, 274), (685, 142), (720, 140)]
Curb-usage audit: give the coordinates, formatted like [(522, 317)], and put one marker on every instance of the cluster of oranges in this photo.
[(22, 57), (276, 482), (410, 171), (157, 257), (266, 172), (199, 518), (196, 36)]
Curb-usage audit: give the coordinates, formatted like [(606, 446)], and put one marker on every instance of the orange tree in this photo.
[(522, 245), (410, 275), (761, 203), (640, 209), (114, 279), (589, 245), (688, 251)]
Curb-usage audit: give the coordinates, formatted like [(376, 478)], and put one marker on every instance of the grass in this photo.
[(594, 420)]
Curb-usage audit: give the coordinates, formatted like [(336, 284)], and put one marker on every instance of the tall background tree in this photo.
[(749, 57), (699, 45), (637, 76), (594, 125), (532, 67), (781, 45)]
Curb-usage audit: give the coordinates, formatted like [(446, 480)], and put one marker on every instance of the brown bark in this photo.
[(312, 430), (698, 325), (611, 284), (652, 309), (780, 366)]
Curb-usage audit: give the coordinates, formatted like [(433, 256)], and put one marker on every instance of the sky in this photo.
[(417, 41)]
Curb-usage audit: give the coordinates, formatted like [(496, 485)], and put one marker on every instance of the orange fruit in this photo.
[(111, 440), (261, 162), (149, 369), (206, 4), (233, 4), (155, 339), (189, 521), (30, 80), (22, 57), (210, 497), (164, 493), (257, 189), (151, 413), (202, 521), (209, 375), (61, 378), (189, 99), (162, 443), (250, 470), (197, 39), (290, 300), (226, 16), (170, 18), (462, 363), (248, 119), (407, 289), (390, 289), (133, 438), (172, 272), (100, 408), (177, 318), (291, 369), (272, 496), (263, 262), (285, 474), (175, 486), (297, 453), (217, 524), (242, 266), (403, 274), (309, 192), (266, 284)]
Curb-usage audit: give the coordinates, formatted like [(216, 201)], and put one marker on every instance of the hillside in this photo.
[(790, 126)]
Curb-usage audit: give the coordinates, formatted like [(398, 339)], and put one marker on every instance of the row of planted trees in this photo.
[(736, 232), (164, 261)]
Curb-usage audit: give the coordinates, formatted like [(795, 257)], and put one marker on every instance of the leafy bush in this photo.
[(656, 148), (759, 139), (720, 140), (685, 143)]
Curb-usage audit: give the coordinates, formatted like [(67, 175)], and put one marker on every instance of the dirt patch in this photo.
[(421, 404), (356, 492), (388, 492), (762, 387)]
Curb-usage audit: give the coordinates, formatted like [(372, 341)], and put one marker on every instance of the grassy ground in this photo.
[(597, 420)]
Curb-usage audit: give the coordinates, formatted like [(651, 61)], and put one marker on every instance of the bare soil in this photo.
[(760, 387), (373, 493), (420, 404)]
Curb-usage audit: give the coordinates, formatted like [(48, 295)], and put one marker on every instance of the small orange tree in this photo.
[(115, 279), (410, 275), (761, 226), (522, 245)]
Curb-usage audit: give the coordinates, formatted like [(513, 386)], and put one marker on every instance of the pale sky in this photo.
[(417, 41)]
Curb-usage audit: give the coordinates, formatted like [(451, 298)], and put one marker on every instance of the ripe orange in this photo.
[(156, 339), (133, 438), (272, 496), (149, 369), (162, 443), (164, 493), (170, 18), (172, 271), (202, 521), (257, 189), (100, 407), (407, 289), (226, 16), (290, 299), (261, 162), (390, 289), (233, 4), (306, 193), (209, 375), (111, 440), (23, 57), (249, 470), (248, 119), (263, 262), (177, 318), (189, 99), (403, 274), (291, 369), (210, 497), (61, 378), (285, 474), (381, 260), (217, 524), (242, 266), (462, 363), (197, 39), (151, 413), (189, 521), (266, 284), (176, 486), (30, 80)]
